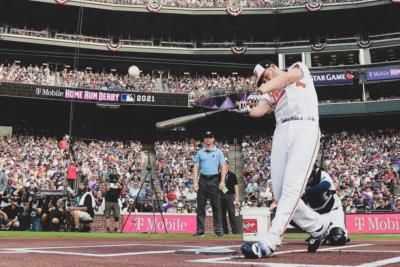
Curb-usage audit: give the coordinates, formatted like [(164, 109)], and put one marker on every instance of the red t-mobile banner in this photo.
[(147, 223), (373, 223)]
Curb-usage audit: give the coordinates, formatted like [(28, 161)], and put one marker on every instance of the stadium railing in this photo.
[(191, 44)]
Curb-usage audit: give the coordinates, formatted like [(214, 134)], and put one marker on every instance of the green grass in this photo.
[(62, 235)]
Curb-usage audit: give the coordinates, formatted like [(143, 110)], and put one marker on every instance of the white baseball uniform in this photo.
[(295, 146)]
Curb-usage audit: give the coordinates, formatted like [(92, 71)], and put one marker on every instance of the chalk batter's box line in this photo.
[(227, 260)]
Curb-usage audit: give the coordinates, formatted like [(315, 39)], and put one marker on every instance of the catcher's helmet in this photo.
[(337, 236)]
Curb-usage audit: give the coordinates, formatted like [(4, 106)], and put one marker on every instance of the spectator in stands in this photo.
[(191, 195), (219, 3), (71, 174), (63, 144), (133, 188), (3, 181), (252, 187), (397, 207), (130, 207), (383, 205)]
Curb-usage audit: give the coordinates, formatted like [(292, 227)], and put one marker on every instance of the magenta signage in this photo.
[(91, 96), (146, 223), (373, 223)]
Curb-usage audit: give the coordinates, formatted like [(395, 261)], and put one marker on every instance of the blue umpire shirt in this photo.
[(209, 160)]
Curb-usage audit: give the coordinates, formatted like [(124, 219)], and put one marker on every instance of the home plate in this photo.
[(207, 251)]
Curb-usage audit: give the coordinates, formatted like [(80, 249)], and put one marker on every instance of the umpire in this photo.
[(211, 163), (229, 198)]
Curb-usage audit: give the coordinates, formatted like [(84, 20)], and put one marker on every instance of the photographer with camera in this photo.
[(113, 190), (32, 203), (9, 216), (84, 211)]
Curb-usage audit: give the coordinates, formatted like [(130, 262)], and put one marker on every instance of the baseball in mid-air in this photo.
[(133, 71)]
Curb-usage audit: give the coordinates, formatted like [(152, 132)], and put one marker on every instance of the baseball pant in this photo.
[(295, 146), (336, 216), (228, 206), (208, 188)]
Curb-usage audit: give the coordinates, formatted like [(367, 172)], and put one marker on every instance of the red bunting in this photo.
[(364, 44), (114, 47), (312, 7), (238, 50), (234, 10), (318, 46), (153, 7), (61, 2)]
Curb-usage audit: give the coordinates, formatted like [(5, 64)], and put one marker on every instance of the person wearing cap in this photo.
[(209, 164), (292, 97), (229, 199)]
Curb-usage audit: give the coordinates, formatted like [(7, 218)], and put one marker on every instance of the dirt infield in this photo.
[(161, 252)]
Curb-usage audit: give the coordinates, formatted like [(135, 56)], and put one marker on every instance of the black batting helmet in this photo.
[(337, 236)]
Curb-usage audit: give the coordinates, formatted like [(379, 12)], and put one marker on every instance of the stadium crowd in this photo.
[(364, 166), (33, 170), (219, 3), (197, 87)]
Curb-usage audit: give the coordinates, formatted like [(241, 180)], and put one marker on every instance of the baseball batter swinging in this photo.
[(292, 97)]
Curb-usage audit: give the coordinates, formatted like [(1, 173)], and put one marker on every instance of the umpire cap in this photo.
[(260, 68), (208, 134)]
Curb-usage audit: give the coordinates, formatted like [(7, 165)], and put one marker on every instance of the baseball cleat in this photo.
[(316, 238), (257, 250)]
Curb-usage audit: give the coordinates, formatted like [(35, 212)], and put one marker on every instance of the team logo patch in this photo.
[(249, 226), (234, 10), (300, 84), (312, 7), (114, 46), (61, 2), (238, 50), (154, 7), (364, 44)]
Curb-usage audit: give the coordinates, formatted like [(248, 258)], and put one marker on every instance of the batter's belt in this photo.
[(296, 117)]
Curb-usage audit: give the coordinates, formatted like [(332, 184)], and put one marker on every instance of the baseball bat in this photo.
[(185, 119)]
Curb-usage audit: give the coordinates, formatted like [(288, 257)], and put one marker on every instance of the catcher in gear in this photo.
[(320, 195)]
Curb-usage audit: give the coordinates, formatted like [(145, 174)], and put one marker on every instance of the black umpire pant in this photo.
[(208, 188), (227, 205)]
